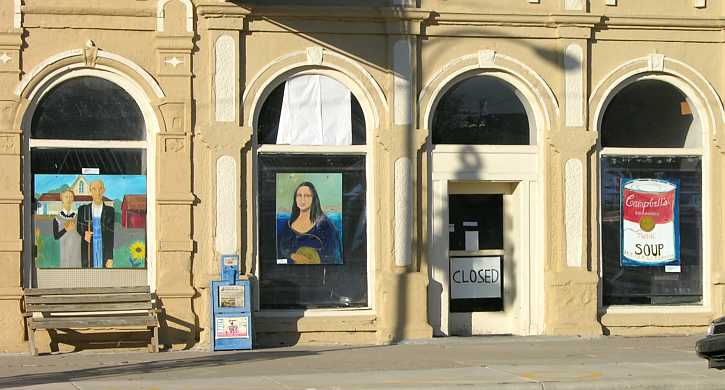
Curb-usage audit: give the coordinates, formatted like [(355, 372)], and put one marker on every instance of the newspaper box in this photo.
[(231, 320)]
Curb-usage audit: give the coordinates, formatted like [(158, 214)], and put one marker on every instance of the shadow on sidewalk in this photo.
[(213, 360)]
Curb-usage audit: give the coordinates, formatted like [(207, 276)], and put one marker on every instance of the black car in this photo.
[(712, 347)]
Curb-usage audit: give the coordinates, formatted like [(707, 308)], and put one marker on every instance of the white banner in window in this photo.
[(315, 111)]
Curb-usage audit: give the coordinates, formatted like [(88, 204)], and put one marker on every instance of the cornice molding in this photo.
[(50, 9)]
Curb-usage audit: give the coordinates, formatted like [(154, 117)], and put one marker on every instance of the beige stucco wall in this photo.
[(356, 42)]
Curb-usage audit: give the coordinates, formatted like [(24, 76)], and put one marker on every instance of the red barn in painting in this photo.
[(133, 211)]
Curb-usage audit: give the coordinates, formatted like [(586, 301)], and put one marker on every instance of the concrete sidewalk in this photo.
[(448, 363)]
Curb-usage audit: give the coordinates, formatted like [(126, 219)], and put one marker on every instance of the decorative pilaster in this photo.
[(401, 275), (11, 198), (173, 174), (222, 140), (222, 134), (571, 280)]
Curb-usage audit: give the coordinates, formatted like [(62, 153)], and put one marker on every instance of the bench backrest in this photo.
[(88, 299)]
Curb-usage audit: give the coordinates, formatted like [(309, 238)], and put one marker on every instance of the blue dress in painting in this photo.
[(319, 245)]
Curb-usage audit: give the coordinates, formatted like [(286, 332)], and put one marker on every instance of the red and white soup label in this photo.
[(648, 221)]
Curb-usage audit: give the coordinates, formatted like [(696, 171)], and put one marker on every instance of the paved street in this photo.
[(449, 363)]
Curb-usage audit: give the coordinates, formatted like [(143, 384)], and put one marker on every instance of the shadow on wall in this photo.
[(368, 55), (174, 330)]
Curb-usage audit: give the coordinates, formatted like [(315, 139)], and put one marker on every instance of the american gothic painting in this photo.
[(90, 221)]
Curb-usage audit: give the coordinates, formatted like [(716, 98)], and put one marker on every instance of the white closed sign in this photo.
[(475, 277)]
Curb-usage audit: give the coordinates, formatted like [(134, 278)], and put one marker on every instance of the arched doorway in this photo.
[(485, 178)]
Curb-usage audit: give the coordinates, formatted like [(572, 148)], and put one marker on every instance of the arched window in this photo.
[(651, 196), (482, 110), (87, 180), (311, 210)]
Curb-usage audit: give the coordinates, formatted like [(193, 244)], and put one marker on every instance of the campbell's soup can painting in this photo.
[(650, 228)]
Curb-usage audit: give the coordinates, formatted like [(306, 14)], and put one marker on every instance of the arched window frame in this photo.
[(537, 118), (365, 150), (699, 110), (142, 99)]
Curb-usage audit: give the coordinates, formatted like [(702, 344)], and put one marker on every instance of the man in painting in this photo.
[(95, 225), (309, 237)]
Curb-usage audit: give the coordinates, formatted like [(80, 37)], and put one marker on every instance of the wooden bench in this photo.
[(91, 307)]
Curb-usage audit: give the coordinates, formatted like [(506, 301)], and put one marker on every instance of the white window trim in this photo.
[(86, 144), (314, 150), (698, 109)]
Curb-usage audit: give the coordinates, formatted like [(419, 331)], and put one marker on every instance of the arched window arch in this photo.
[(483, 110), (87, 182), (651, 185), (311, 163)]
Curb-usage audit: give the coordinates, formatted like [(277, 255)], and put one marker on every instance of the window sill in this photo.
[(493, 149), (323, 320), (286, 313), (666, 316)]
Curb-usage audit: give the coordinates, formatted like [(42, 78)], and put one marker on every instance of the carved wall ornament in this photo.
[(173, 61), (7, 145), (657, 62), (225, 91), (403, 81), (486, 58), (574, 208), (161, 15), (574, 5), (174, 145), (18, 14), (315, 55), (574, 76), (90, 54)]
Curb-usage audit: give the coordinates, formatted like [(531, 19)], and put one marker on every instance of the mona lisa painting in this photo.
[(309, 218)]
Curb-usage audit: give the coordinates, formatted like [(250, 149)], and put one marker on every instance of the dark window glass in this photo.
[(652, 285), (72, 161), (268, 123), (476, 212), (481, 111), (314, 285), (649, 114), (88, 108)]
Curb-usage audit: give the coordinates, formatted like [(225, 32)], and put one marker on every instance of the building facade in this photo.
[(384, 170)]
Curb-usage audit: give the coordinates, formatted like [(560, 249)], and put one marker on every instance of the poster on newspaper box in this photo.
[(231, 328)]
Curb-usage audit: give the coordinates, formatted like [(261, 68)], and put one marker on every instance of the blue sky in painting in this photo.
[(116, 185)]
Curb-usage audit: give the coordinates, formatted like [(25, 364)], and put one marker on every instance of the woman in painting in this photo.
[(64, 230), (308, 237)]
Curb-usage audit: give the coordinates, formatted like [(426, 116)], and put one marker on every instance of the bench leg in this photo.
[(31, 339), (154, 345)]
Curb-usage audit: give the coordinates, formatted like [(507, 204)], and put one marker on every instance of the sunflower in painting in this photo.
[(138, 250)]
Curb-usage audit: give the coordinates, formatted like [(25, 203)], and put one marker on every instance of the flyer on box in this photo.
[(231, 328), (650, 230)]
